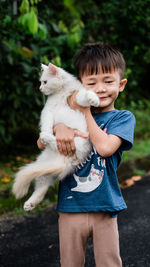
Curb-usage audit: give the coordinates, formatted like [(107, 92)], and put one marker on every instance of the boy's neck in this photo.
[(101, 110)]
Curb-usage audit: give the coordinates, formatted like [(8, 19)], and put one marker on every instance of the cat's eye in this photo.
[(45, 82)]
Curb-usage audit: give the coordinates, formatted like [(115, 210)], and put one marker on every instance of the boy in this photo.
[(90, 200)]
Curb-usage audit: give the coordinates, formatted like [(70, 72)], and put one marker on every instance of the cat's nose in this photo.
[(40, 88)]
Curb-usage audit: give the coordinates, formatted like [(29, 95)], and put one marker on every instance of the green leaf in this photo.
[(23, 20), (68, 3), (73, 39), (7, 20), (32, 22), (24, 8), (63, 27), (56, 61), (16, 103), (45, 60), (42, 30), (56, 28)]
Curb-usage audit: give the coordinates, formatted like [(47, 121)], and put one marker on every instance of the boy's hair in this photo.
[(95, 57)]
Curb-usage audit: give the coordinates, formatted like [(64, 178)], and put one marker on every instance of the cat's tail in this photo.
[(26, 174)]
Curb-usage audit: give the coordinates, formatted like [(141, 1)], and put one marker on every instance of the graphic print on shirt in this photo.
[(90, 182)]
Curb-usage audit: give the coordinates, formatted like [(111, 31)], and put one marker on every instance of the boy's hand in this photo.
[(65, 138), (73, 103), (40, 144)]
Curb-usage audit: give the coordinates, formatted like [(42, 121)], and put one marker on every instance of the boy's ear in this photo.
[(52, 68), (122, 84)]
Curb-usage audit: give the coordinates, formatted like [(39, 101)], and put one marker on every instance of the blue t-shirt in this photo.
[(94, 186)]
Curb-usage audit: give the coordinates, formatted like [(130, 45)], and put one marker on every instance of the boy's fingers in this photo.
[(73, 148), (78, 133), (59, 146), (69, 149), (64, 149)]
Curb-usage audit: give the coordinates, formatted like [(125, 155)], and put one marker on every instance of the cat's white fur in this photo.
[(57, 84)]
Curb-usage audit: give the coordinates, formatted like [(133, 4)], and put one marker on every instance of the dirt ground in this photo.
[(32, 240)]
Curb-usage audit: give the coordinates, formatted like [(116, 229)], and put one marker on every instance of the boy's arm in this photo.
[(105, 144)]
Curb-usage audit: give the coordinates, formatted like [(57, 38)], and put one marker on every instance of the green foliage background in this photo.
[(35, 31)]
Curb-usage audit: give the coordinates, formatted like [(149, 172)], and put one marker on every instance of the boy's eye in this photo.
[(108, 81), (91, 83)]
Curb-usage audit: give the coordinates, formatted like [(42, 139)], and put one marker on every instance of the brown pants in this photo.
[(74, 231)]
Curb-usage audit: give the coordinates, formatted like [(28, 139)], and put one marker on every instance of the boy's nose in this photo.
[(100, 89)]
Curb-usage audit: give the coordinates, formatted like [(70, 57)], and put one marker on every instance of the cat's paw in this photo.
[(28, 205), (47, 138), (93, 99), (44, 137)]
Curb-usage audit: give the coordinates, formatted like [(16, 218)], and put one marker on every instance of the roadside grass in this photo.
[(141, 148), (8, 203), (141, 111)]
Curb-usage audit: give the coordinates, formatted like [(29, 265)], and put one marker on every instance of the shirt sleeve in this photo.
[(123, 125)]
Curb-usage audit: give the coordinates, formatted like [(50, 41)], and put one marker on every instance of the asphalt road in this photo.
[(32, 240)]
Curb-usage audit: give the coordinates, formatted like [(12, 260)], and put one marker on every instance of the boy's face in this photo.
[(107, 86)]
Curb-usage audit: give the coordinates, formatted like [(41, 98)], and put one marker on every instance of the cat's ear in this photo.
[(52, 68), (43, 67)]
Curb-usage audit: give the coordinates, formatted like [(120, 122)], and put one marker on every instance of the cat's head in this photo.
[(51, 79)]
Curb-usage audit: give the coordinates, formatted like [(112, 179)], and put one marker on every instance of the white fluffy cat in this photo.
[(57, 84)]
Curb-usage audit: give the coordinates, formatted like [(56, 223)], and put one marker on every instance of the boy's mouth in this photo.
[(103, 98)]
